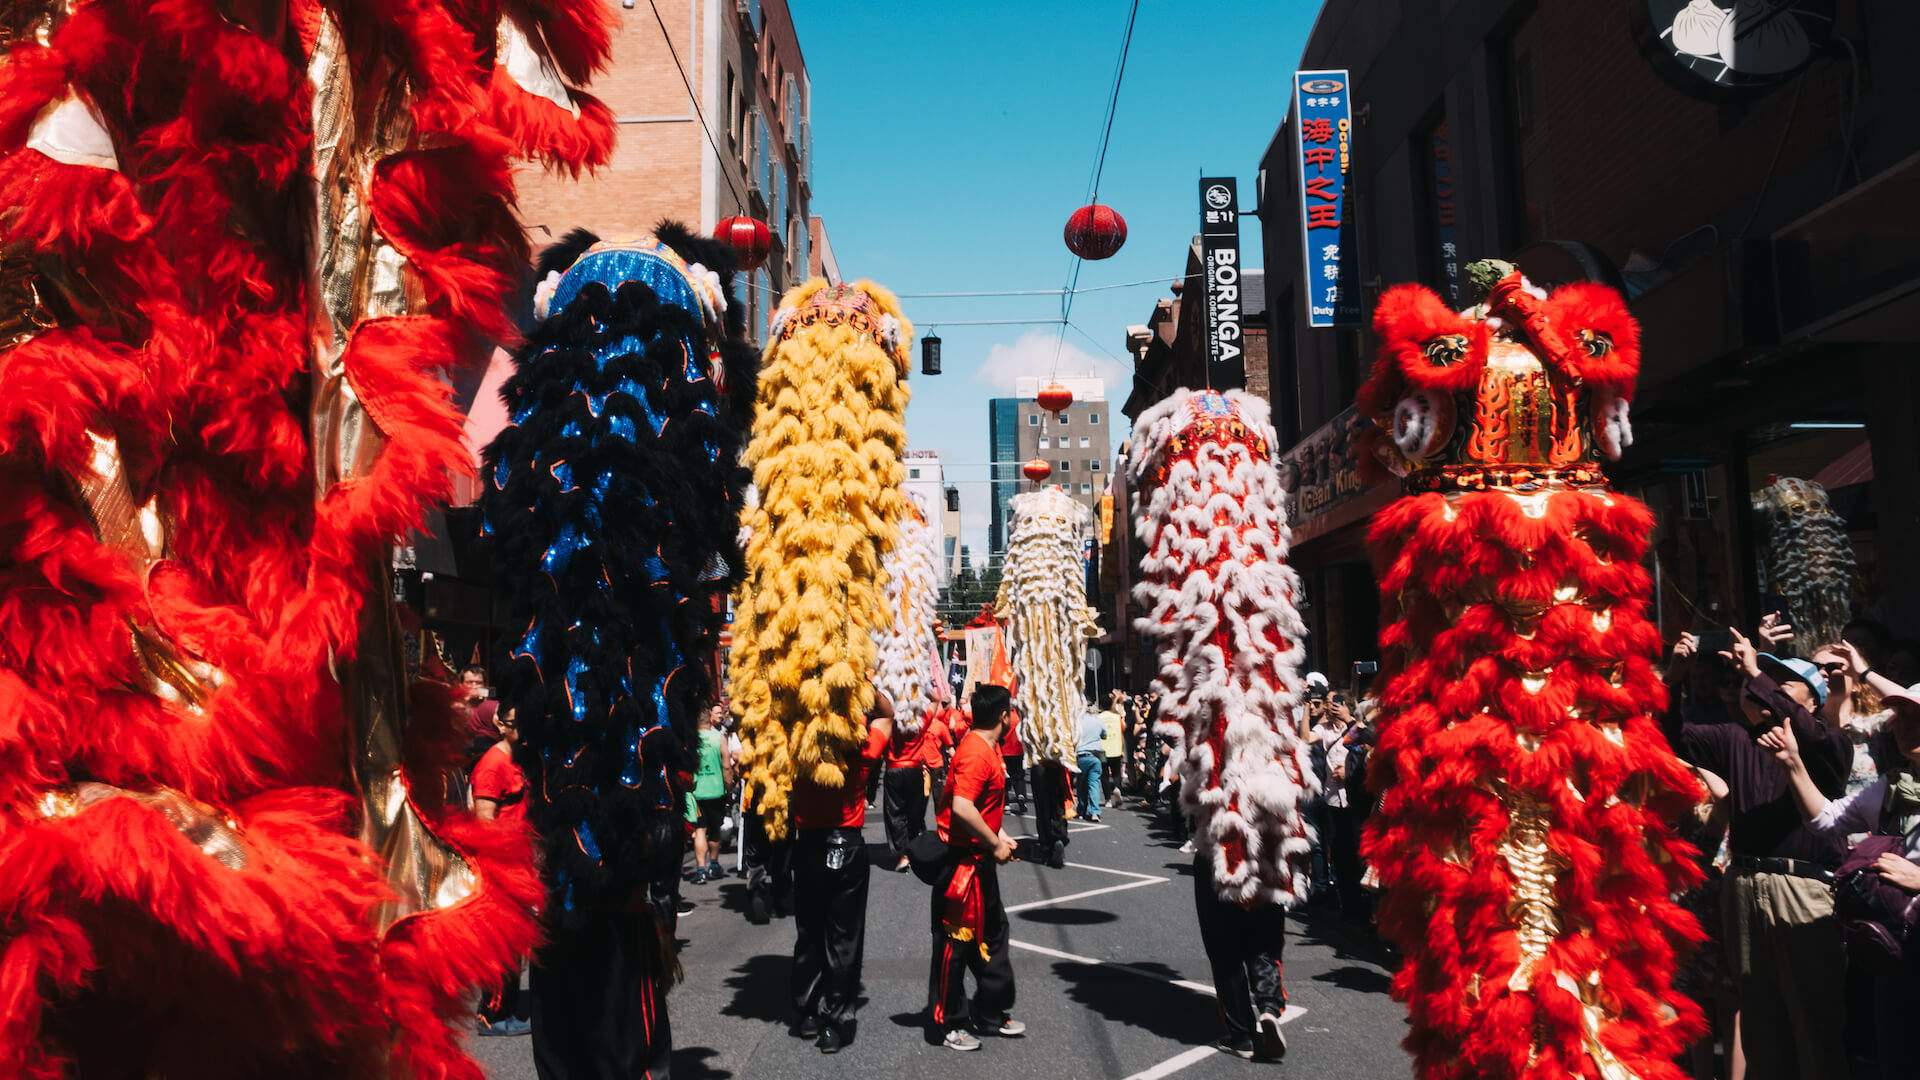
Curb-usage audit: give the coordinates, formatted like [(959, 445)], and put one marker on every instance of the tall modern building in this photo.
[(927, 486), (1077, 444)]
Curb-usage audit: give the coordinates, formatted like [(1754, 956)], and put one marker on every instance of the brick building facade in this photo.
[(753, 155)]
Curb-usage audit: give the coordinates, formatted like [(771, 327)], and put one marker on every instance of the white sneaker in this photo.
[(959, 1039), (1187, 848), (1267, 1037), (1006, 1029)]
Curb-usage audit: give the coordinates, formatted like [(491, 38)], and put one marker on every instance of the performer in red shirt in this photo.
[(909, 783), (970, 929), (1015, 753), (500, 794), (830, 874)]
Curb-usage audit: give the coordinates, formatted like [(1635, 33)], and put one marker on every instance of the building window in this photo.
[(1085, 442), (1046, 444), (1093, 464), (1063, 419), (913, 474), (1093, 418), (1526, 116), (1086, 489), (1033, 419), (1065, 465)]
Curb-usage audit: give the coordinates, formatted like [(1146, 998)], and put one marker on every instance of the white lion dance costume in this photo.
[(1219, 598), (908, 654), (825, 455), (1043, 602)]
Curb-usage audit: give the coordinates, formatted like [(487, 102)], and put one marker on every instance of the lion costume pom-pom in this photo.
[(1524, 836), (907, 650), (825, 455), (1043, 603), (1219, 599)]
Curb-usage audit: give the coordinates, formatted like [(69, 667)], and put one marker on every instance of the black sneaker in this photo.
[(757, 912), (1242, 1048), (830, 1040), (1058, 857), (807, 1027), (684, 907), (1268, 1038)]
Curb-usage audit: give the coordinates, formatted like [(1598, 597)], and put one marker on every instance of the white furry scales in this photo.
[(906, 646), (1043, 603), (1219, 596)]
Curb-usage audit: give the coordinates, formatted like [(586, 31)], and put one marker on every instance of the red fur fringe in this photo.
[(198, 367), (1455, 704)]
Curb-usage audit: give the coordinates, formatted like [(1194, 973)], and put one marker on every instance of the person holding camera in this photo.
[(1887, 808), (1783, 941), (1342, 745)]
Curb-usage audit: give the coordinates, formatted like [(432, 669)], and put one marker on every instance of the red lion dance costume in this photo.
[(1524, 835), (242, 244)]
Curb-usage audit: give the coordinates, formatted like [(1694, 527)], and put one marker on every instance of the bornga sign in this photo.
[(1223, 299)]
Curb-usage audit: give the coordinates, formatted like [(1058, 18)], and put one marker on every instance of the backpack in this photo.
[(1876, 916)]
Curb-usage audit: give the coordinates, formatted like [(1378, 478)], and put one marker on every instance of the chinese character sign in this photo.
[(1323, 117), (1220, 251)]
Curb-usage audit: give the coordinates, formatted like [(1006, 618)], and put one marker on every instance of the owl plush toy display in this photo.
[(1525, 832)]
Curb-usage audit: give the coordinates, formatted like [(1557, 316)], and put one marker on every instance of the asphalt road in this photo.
[(1111, 979)]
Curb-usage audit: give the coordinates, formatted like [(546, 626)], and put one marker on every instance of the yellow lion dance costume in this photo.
[(827, 438)]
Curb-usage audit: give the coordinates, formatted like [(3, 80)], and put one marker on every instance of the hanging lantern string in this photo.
[(1093, 184)]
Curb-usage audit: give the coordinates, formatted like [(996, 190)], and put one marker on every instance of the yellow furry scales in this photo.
[(827, 438)]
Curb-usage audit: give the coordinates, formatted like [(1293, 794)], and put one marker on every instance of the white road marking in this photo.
[(1184, 984), (1083, 895), (1122, 873), (1176, 1063), (1200, 1053)]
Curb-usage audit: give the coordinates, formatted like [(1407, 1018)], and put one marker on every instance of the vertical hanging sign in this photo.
[(1323, 114), (1220, 255)]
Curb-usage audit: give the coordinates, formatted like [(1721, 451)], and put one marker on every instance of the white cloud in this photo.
[(1032, 355)]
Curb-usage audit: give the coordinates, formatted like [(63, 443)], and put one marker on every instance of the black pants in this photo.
[(906, 810), (1016, 780), (1109, 781), (829, 922), (1246, 949), (1344, 824), (1050, 788), (599, 1008), (947, 1003), (769, 869)]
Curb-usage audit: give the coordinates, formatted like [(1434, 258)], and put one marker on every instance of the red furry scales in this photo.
[(209, 452), (1525, 835)]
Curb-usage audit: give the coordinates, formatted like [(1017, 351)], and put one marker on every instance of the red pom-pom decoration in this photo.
[(1096, 231)]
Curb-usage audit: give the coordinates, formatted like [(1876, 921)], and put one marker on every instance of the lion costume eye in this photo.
[(1445, 350), (1595, 342)]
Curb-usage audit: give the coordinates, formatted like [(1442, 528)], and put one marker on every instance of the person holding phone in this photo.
[(1783, 942)]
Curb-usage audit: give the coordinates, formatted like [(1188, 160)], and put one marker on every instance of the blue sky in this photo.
[(953, 139)]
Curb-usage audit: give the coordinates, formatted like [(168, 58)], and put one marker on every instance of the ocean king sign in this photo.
[(1220, 254), (1323, 110)]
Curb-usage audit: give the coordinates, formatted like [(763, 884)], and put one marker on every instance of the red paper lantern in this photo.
[(1037, 469), (1054, 398), (750, 238), (1096, 231)]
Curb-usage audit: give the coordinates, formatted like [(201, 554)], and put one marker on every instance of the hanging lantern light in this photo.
[(1054, 398), (1037, 469), (930, 355), (750, 238), (1096, 231)]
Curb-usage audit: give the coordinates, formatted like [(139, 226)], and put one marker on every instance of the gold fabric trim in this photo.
[(216, 835), (530, 67), (1533, 908)]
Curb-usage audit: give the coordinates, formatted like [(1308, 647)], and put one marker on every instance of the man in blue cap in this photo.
[(1783, 942)]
